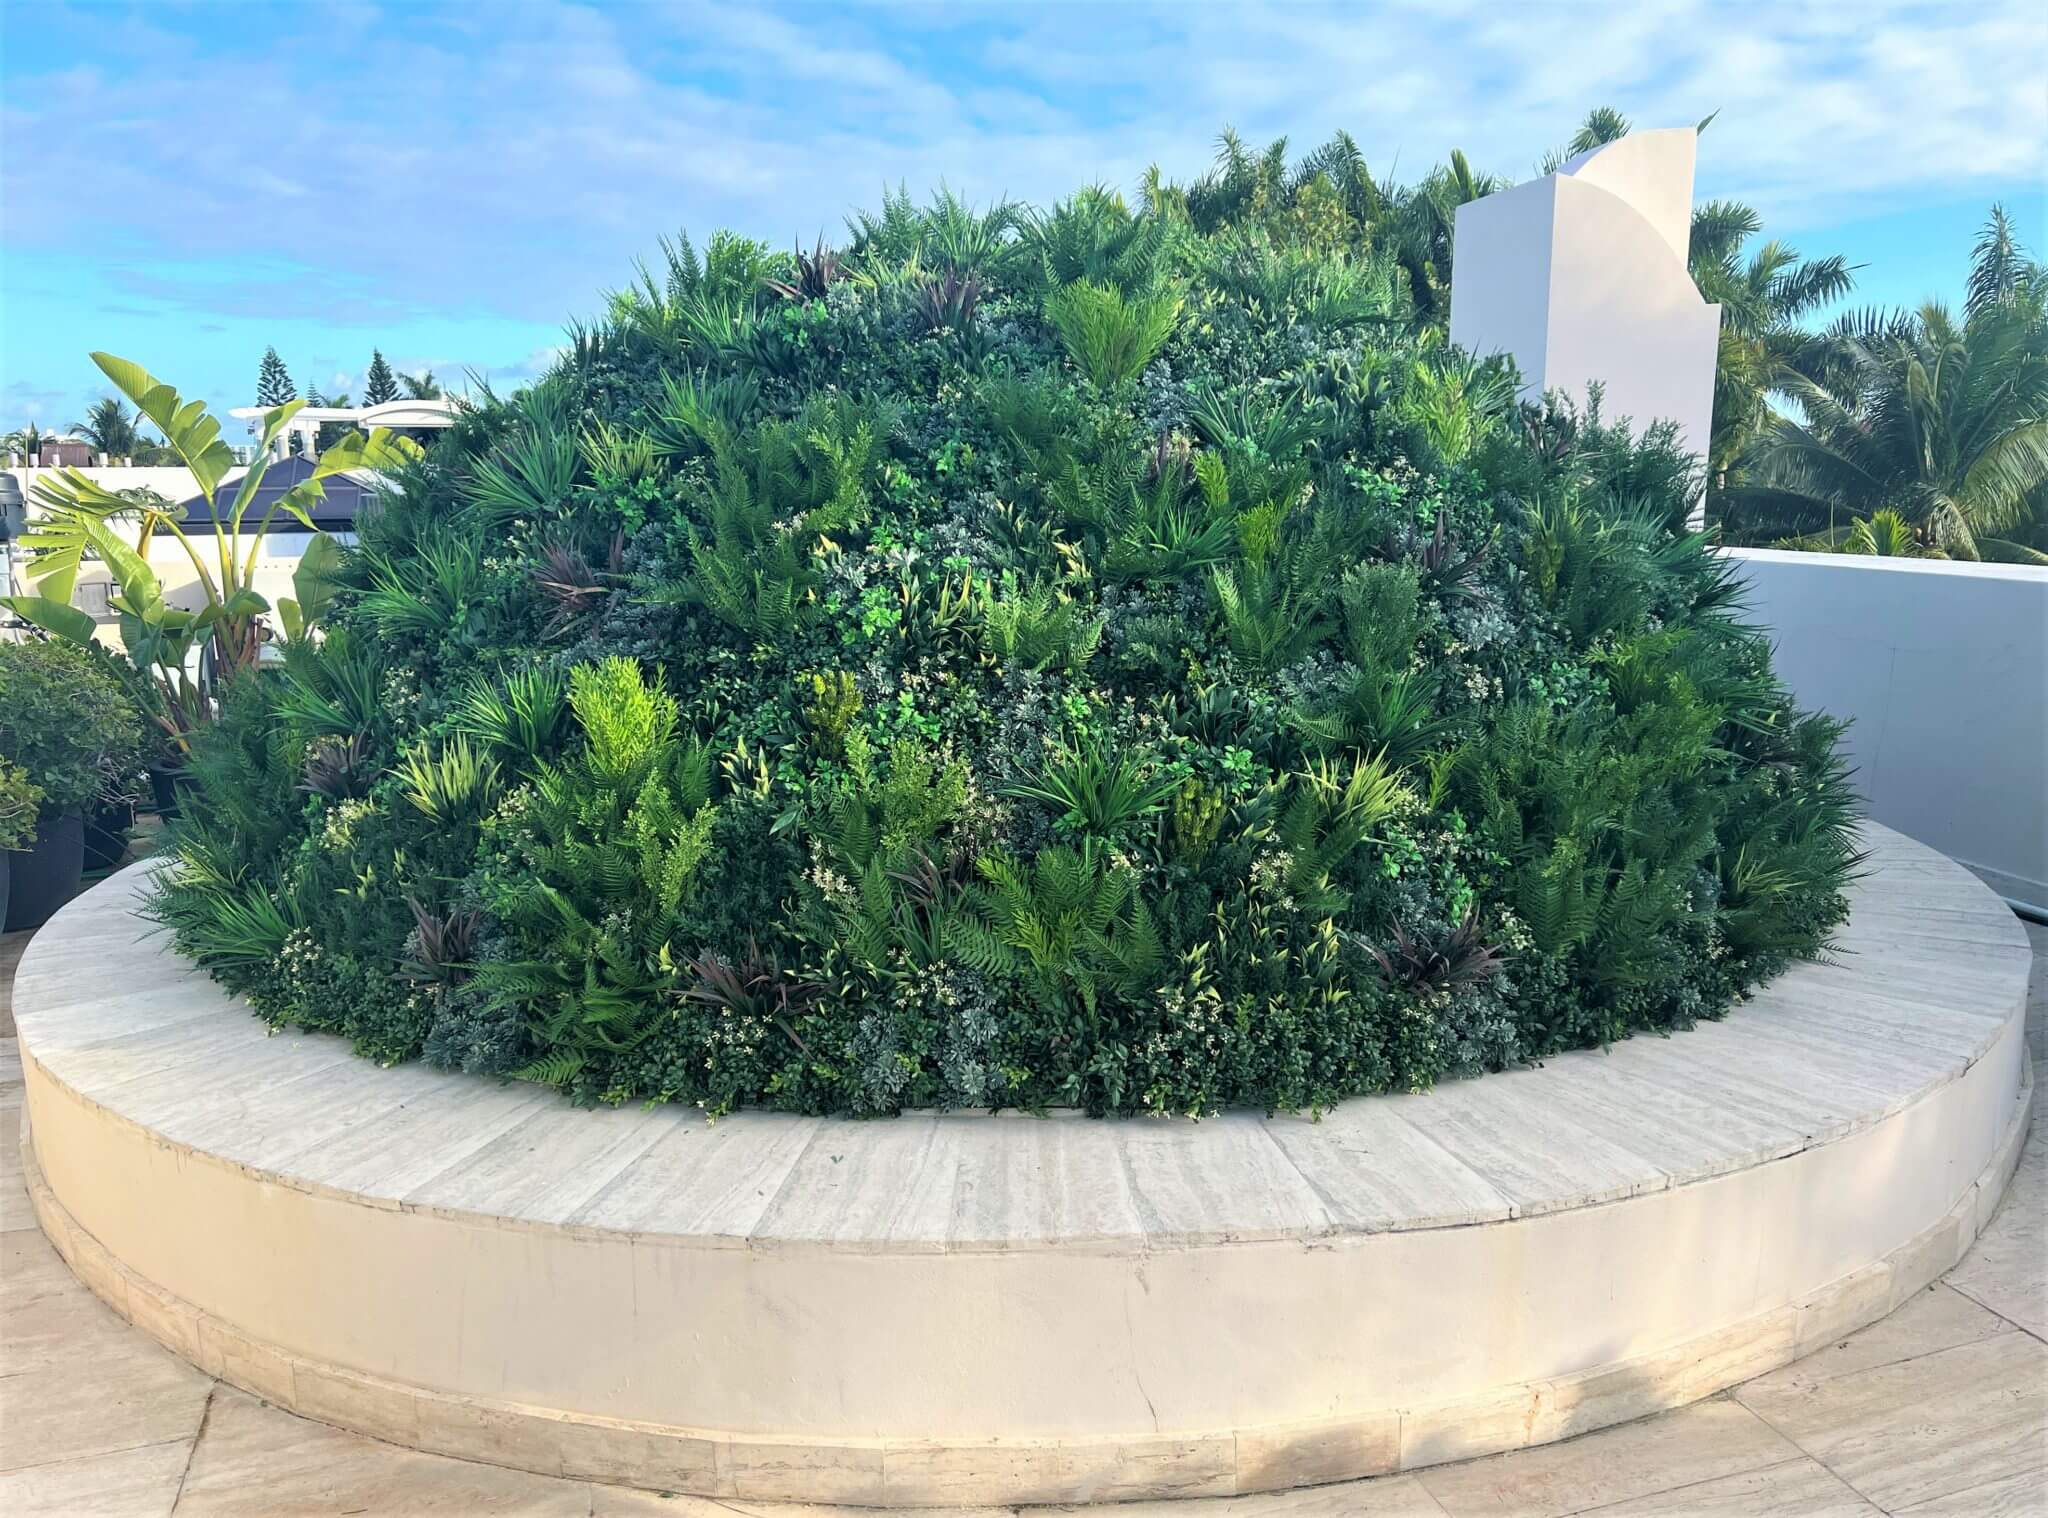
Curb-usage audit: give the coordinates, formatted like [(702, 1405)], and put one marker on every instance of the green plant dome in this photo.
[(1103, 658)]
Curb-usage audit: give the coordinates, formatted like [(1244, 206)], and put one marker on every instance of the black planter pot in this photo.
[(6, 882), (164, 785), (47, 872), (106, 834)]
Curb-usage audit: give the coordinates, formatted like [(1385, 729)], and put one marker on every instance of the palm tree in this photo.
[(110, 427), (1763, 297), (1941, 421), (115, 431), (26, 441), (421, 386)]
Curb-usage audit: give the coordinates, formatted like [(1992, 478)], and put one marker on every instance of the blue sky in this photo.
[(183, 184)]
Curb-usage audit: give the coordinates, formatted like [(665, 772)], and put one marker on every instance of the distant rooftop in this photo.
[(347, 494)]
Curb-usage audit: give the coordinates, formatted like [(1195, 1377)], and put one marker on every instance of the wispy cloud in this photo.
[(370, 165)]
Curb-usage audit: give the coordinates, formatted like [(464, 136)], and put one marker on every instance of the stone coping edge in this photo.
[(925, 1474)]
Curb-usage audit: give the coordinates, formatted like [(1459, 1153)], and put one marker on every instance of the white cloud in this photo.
[(514, 159)]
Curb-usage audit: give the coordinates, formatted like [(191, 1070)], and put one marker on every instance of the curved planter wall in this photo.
[(964, 1308)]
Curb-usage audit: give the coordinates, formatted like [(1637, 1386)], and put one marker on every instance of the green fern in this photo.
[(1111, 337)]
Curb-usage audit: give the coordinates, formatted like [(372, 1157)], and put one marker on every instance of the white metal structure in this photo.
[(303, 430)]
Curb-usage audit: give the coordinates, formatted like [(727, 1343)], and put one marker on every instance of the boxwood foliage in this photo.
[(1017, 659)]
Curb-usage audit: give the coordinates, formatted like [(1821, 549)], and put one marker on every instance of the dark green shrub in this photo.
[(20, 799), (67, 719), (1103, 658)]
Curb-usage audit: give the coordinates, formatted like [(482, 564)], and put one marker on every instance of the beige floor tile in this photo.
[(1926, 1427), (75, 1380), (135, 1483), (49, 1321), (630, 1502), (1382, 1497), (100, 1404), (254, 1461), (1799, 1488), (15, 1211), (1694, 1444), (1935, 1318), (2007, 1271), (2021, 1496), (11, 945)]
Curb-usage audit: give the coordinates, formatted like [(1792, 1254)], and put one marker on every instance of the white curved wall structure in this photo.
[(956, 1308), (1581, 276)]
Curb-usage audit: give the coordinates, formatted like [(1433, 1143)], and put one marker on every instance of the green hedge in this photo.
[(67, 720), (1017, 660)]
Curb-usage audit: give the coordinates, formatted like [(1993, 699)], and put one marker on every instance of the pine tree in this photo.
[(273, 385), (380, 385)]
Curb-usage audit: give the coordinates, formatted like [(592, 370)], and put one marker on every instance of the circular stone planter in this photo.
[(961, 1308)]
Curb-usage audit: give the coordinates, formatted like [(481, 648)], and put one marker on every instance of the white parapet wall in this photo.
[(1943, 668)]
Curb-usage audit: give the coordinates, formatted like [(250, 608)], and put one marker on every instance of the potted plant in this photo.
[(183, 651), (20, 799), (65, 719)]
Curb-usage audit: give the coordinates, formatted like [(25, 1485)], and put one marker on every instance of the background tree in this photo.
[(110, 427), (24, 440), (380, 384), (330, 432), (115, 431), (1939, 422), (422, 386), (1765, 298), (273, 384)]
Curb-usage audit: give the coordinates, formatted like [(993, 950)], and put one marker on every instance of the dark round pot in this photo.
[(106, 834), (47, 872), (164, 784)]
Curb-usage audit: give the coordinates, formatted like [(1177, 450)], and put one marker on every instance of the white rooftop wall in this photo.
[(1943, 668)]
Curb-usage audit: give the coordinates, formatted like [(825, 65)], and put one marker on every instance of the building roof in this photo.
[(347, 494)]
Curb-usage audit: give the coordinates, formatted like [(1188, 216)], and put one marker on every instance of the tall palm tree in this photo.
[(421, 386), (110, 427), (1763, 295), (1942, 421), (115, 431)]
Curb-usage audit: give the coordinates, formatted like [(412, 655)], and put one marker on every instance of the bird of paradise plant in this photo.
[(79, 516)]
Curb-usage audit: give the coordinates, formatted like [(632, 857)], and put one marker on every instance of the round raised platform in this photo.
[(965, 1308)]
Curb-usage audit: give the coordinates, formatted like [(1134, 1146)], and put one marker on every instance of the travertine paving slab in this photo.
[(1935, 1318), (2011, 1497), (1676, 1449), (1387, 1497), (15, 1212), (2004, 1271), (1799, 1488), (11, 945), (131, 1483), (1927, 1427), (99, 1403), (256, 1462), (52, 1321)]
